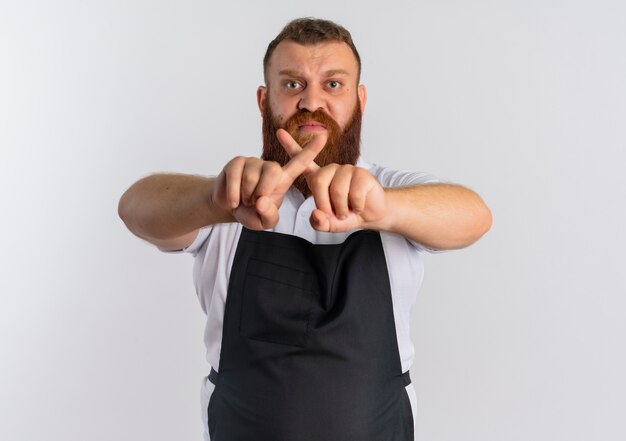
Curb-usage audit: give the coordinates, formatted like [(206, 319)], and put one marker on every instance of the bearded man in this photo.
[(307, 260)]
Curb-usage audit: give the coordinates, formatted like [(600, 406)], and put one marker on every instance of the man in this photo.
[(308, 260)]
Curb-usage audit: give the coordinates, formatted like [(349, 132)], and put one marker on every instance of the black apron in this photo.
[(309, 347)]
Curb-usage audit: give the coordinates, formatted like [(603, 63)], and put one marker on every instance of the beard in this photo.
[(342, 146)]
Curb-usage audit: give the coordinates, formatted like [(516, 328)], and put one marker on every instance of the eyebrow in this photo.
[(329, 73)]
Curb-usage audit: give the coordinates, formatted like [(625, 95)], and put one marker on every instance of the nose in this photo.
[(311, 99)]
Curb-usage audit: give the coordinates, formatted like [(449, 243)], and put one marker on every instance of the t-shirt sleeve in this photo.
[(194, 247), (203, 235), (403, 178)]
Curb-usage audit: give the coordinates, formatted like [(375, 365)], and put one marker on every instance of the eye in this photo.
[(293, 85), (334, 84)]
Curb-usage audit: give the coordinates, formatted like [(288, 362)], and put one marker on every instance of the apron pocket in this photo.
[(277, 303)]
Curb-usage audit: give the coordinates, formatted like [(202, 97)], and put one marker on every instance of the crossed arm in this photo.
[(168, 209)]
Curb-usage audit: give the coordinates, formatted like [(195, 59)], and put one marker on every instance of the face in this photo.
[(321, 76), (311, 90)]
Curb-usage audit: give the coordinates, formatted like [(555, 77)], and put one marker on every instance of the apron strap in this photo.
[(214, 376)]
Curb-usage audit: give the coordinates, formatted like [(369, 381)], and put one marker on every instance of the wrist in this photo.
[(382, 215), (216, 212)]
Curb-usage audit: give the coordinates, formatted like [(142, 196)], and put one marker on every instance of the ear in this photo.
[(260, 97), (362, 93)]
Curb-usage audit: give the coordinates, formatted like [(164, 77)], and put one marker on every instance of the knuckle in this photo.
[(346, 168), (317, 180), (362, 174), (357, 198), (272, 167), (248, 179), (336, 192), (233, 165), (358, 172), (237, 160)]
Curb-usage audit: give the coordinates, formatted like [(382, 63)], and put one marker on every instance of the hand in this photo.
[(346, 197), (252, 190)]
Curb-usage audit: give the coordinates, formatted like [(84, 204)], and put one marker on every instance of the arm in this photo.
[(438, 216), (168, 209)]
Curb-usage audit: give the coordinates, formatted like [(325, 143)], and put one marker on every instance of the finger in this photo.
[(319, 220), (232, 172), (290, 145), (249, 179), (292, 148), (362, 182), (268, 212), (319, 184), (339, 191), (271, 175), (304, 159), (248, 217)]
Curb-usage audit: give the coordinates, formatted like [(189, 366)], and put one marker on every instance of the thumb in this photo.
[(319, 220)]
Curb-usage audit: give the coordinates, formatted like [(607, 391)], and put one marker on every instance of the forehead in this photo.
[(310, 60)]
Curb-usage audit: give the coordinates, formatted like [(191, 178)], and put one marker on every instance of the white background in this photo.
[(520, 337)]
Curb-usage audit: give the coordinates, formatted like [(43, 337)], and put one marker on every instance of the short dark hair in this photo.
[(309, 31)]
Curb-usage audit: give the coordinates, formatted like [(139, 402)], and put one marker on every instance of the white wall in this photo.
[(519, 337)]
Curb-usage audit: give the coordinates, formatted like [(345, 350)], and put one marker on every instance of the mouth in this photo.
[(311, 126)]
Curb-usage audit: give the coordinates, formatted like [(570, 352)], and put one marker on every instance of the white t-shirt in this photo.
[(214, 250)]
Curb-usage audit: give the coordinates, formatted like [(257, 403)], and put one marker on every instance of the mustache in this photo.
[(305, 116)]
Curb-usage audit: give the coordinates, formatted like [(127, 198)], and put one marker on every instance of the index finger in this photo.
[(290, 145), (303, 160)]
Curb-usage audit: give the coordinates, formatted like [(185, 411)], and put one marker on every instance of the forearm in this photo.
[(438, 216), (164, 206)]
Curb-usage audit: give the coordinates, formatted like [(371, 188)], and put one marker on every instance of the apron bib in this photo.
[(309, 348)]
